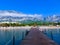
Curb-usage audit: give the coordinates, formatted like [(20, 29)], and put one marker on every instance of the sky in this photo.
[(40, 7)]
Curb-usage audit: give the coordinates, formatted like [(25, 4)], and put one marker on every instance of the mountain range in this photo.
[(53, 18), (13, 16)]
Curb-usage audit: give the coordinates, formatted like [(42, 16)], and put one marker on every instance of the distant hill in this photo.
[(13, 16), (28, 19)]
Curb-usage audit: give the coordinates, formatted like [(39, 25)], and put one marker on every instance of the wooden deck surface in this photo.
[(36, 37)]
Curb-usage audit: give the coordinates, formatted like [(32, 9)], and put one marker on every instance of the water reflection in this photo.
[(12, 37), (53, 34), (15, 36)]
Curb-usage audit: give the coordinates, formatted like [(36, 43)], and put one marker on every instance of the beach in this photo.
[(29, 27)]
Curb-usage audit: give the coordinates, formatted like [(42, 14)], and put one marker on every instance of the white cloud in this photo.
[(14, 13)]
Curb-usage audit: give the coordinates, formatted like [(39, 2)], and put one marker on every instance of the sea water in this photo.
[(53, 34), (15, 36), (12, 36)]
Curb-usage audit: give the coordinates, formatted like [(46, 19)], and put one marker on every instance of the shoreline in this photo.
[(29, 27)]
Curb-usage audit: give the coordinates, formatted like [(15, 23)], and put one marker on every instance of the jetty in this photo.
[(36, 37)]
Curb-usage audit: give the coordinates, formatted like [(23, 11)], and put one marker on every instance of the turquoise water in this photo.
[(12, 37), (15, 36), (53, 34)]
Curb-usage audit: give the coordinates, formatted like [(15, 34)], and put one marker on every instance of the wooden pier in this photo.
[(36, 37)]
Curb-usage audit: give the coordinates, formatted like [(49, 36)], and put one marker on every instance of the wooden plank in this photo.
[(36, 37)]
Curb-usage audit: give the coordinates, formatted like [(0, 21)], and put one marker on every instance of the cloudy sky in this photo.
[(30, 7), (15, 13)]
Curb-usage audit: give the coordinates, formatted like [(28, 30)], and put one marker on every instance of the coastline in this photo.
[(29, 27)]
